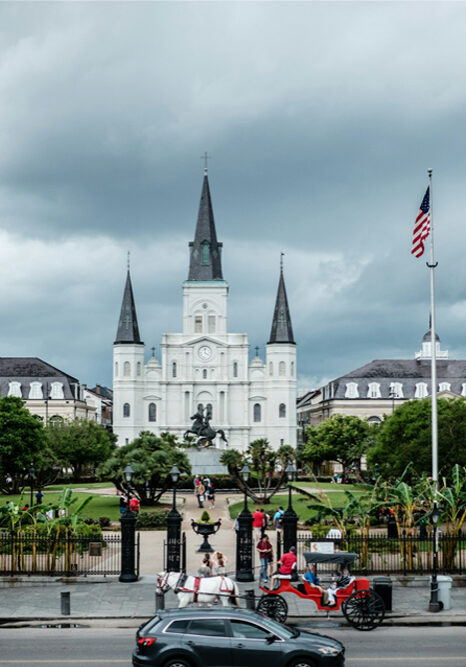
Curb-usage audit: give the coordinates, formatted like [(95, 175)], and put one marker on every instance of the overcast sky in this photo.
[(321, 120)]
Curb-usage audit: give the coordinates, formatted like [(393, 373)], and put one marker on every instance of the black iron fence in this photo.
[(378, 554), (182, 552), (63, 555)]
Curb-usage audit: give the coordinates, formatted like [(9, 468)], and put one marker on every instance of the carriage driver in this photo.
[(287, 564)]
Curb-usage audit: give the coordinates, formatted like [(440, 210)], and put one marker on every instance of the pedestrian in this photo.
[(206, 566), (200, 491), (219, 560), (196, 483), (265, 522), (123, 503), (278, 518), (266, 557), (287, 564), (39, 496), (257, 521), (211, 495), (134, 504)]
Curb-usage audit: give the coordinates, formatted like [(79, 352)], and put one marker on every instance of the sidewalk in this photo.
[(35, 599)]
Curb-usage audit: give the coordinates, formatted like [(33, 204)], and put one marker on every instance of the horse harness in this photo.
[(195, 590)]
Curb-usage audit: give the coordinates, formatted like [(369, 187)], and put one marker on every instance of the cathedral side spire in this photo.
[(128, 330), (282, 330), (205, 262)]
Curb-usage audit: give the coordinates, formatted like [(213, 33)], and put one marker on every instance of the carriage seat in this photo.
[(346, 590), (288, 576)]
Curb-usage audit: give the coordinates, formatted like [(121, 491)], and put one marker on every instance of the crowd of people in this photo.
[(204, 490)]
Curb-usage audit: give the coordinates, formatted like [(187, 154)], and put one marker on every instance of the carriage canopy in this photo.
[(342, 557)]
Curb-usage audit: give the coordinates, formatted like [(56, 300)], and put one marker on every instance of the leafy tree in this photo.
[(78, 444), (263, 462), (151, 458), (405, 438), (22, 444), (340, 438)]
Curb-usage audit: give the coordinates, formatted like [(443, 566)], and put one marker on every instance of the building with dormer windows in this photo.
[(205, 367)]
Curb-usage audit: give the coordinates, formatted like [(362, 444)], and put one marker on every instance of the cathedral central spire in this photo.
[(128, 330), (282, 330), (205, 262)]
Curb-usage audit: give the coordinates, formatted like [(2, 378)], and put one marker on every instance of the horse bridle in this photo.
[(162, 582)]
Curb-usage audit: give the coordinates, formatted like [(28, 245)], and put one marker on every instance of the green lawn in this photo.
[(328, 486), (99, 505), (82, 485), (300, 503)]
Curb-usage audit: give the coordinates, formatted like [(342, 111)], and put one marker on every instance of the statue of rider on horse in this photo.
[(202, 429)]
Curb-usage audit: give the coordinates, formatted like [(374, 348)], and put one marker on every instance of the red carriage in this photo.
[(363, 608)]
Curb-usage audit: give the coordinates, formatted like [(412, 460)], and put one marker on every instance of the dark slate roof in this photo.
[(128, 330), (105, 392), (31, 369), (428, 336), (205, 265), (407, 371), (282, 331)]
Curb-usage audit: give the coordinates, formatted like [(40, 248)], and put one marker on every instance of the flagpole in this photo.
[(434, 604), (432, 264)]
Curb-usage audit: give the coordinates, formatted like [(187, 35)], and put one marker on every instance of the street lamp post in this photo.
[(128, 530), (290, 518), (244, 553), (31, 472), (174, 529), (434, 603)]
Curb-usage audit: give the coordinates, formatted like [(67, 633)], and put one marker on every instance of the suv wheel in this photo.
[(302, 662), (177, 662)]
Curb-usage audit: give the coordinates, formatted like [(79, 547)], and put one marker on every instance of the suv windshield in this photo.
[(281, 630)]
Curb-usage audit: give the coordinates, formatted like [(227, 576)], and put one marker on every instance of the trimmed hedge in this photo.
[(156, 520)]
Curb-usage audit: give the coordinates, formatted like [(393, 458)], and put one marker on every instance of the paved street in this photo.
[(104, 647)]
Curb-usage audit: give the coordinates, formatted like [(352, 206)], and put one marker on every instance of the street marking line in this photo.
[(407, 659)]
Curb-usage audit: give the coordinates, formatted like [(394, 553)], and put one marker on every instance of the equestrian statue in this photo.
[(202, 429)]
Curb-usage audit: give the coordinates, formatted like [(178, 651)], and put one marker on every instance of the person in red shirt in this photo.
[(257, 523), (134, 505), (287, 563)]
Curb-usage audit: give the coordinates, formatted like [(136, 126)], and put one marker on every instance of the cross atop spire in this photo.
[(282, 330), (205, 262), (128, 330), (206, 157)]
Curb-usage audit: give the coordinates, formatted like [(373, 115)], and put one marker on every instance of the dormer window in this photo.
[(463, 389), (35, 391), (14, 389), (56, 390), (396, 390), (373, 390), (205, 253), (421, 390), (352, 390), (444, 386)]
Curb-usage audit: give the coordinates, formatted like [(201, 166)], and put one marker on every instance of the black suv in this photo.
[(203, 637)]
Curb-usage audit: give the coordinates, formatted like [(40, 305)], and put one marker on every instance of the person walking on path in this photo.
[(39, 496), (257, 523), (196, 483), (211, 495), (266, 557), (219, 562), (200, 491), (278, 518), (265, 522), (207, 565)]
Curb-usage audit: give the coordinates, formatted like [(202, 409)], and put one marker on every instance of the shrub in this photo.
[(152, 520), (105, 521)]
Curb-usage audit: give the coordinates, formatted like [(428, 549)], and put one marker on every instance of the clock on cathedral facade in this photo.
[(205, 366)]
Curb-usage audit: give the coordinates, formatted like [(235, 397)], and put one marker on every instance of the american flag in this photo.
[(421, 226)]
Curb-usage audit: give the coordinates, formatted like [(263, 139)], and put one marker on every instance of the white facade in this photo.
[(205, 365)]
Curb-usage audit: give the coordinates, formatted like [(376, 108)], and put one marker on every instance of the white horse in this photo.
[(199, 589)]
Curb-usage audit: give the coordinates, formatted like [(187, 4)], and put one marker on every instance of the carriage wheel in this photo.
[(365, 610), (273, 606)]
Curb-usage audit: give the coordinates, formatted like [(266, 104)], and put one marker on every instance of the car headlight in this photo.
[(326, 650)]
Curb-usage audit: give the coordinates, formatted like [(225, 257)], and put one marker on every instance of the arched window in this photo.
[(138, 368), (292, 369), (352, 390), (208, 410), (36, 390), (126, 410), (282, 410), (152, 412), (205, 253), (204, 373), (174, 369), (57, 390), (374, 420), (281, 368), (56, 420), (257, 412), (270, 368), (211, 323), (116, 369), (126, 369), (198, 324), (235, 369), (14, 389)]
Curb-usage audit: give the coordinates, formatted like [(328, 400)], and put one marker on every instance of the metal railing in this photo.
[(63, 555), (378, 554)]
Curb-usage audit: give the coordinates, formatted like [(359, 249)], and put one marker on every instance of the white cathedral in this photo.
[(206, 368)]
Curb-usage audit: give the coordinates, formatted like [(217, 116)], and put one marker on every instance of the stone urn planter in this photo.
[(205, 529)]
